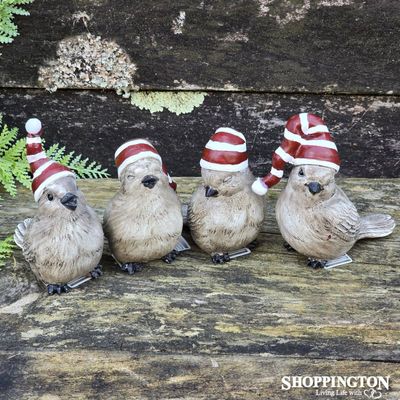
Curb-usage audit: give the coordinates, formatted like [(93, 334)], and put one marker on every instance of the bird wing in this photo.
[(341, 217), (19, 234), (21, 240)]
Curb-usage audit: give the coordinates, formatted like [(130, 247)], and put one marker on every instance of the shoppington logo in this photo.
[(370, 387)]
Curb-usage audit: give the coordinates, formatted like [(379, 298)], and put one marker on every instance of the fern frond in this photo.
[(55, 152), (10, 158), (82, 168), (7, 178), (6, 138), (6, 249), (8, 9)]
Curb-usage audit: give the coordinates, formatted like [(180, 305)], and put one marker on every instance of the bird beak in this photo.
[(70, 201), (210, 192), (149, 181), (314, 187)]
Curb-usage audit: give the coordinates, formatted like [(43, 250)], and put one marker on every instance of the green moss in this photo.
[(227, 328), (176, 102)]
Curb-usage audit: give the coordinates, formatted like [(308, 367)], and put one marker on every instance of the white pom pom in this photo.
[(33, 126), (259, 187)]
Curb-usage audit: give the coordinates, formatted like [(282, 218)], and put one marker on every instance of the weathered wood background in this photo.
[(258, 61), (194, 330)]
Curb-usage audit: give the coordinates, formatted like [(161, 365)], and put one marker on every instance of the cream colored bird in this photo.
[(314, 215), (63, 242), (143, 221), (224, 215)]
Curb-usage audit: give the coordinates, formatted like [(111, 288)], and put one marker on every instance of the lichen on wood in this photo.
[(175, 102), (88, 61), (288, 11), (178, 22)]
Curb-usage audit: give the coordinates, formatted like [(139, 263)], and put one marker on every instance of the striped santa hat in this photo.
[(136, 149), (225, 151), (307, 141), (171, 182), (44, 170)]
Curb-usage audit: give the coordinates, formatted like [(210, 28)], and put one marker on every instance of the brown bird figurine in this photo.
[(63, 242), (143, 221), (224, 215), (314, 215)]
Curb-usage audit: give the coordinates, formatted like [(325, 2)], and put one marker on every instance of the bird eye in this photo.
[(50, 197), (301, 172), (227, 179)]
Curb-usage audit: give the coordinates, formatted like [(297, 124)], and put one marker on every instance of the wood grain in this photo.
[(281, 46), (365, 128), (194, 330), (98, 374), (269, 302)]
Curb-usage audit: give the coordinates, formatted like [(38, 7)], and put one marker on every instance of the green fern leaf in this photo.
[(7, 178), (6, 249), (8, 9)]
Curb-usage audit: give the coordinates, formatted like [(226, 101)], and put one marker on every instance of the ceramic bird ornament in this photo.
[(143, 221), (224, 215), (63, 242), (314, 215)]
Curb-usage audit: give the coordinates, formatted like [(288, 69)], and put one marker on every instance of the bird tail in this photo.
[(20, 232), (376, 226)]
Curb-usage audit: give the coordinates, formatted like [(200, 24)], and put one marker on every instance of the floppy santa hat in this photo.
[(225, 151), (135, 150), (44, 170), (307, 141)]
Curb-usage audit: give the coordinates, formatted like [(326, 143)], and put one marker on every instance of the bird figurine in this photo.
[(314, 215), (143, 221), (224, 215), (63, 242)]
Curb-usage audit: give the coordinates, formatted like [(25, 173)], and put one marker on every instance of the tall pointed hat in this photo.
[(44, 170)]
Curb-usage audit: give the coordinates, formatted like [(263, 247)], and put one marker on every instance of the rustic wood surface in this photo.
[(319, 46), (365, 128), (194, 330)]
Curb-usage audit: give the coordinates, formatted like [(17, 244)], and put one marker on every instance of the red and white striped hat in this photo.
[(171, 182), (307, 141), (135, 150), (44, 170), (225, 151)]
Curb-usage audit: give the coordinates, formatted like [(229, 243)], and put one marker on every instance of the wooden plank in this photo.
[(267, 303), (93, 123), (114, 374), (344, 46)]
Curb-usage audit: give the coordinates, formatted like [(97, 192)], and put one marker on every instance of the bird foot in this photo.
[(131, 268), (53, 288), (316, 264), (220, 258), (251, 246), (288, 247), (97, 272), (170, 257)]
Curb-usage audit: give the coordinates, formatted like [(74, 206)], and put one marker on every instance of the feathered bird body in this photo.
[(230, 220), (61, 244), (318, 220), (143, 223)]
